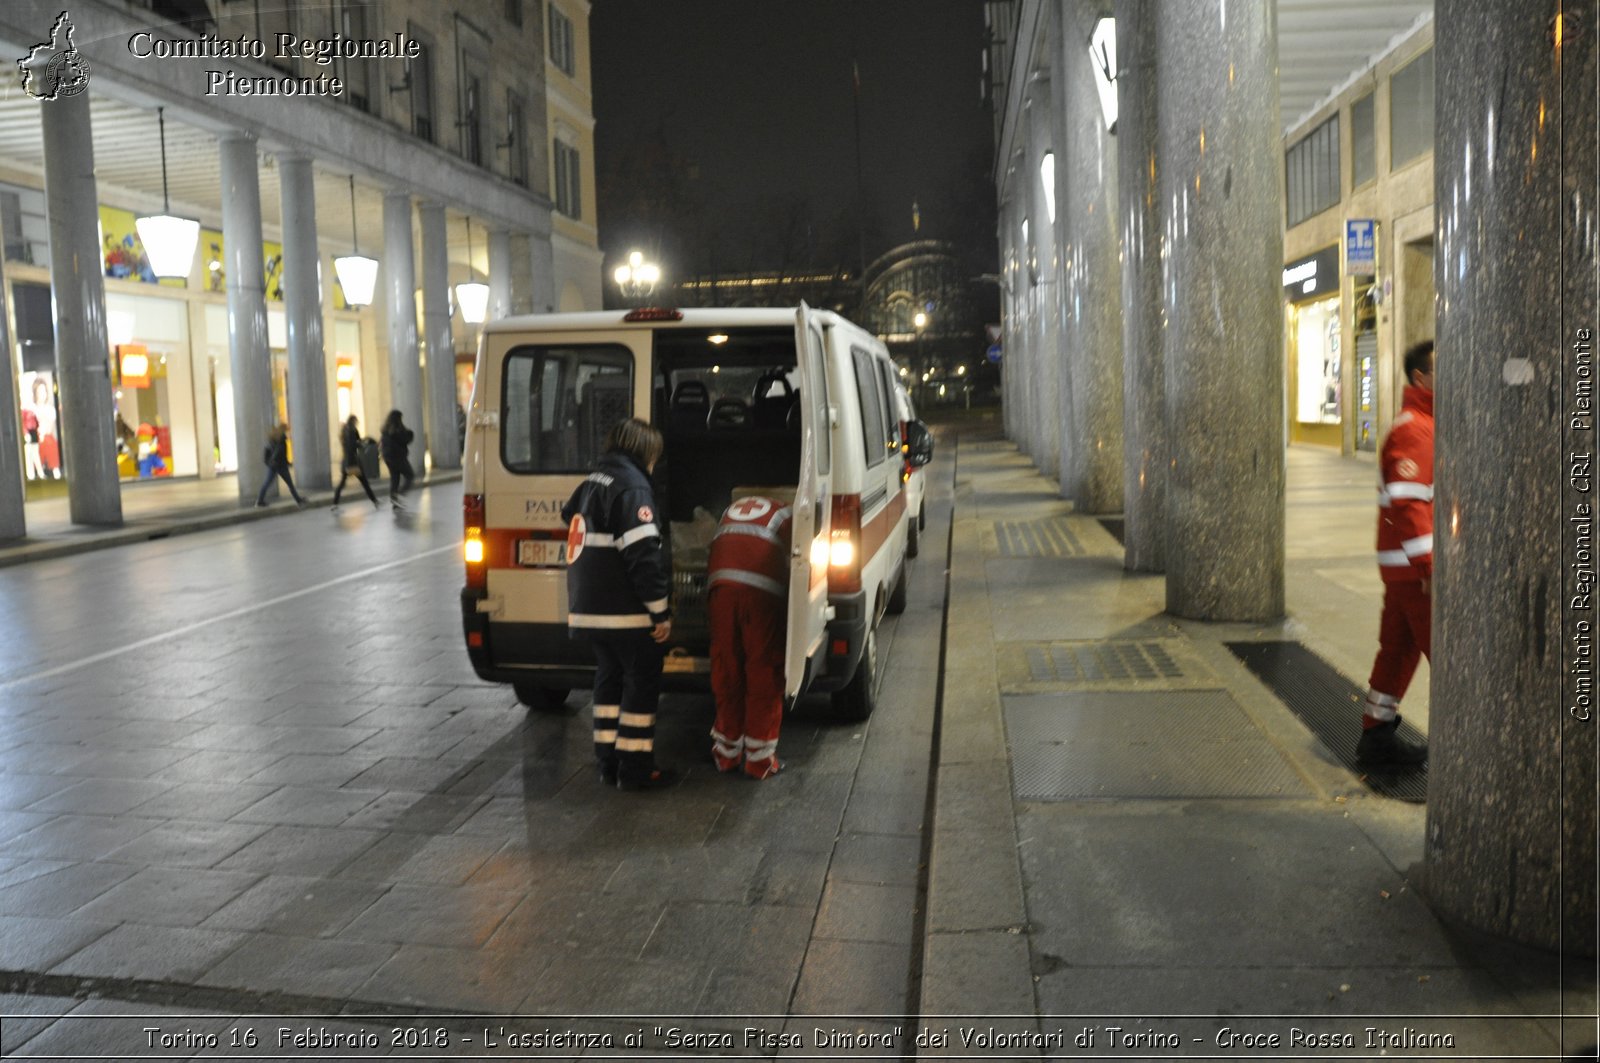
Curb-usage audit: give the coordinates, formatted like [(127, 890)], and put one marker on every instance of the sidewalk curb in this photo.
[(87, 538)]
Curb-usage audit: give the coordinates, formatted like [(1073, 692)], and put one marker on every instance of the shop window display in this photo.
[(41, 441), (1318, 390)]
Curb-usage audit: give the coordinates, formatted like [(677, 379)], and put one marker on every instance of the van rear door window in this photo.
[(559, 403)]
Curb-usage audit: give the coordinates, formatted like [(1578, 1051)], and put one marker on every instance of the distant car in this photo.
[(916, 450)]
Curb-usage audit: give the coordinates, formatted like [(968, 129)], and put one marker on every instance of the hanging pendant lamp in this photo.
[(358, 274), (471, 296), (168, 241)]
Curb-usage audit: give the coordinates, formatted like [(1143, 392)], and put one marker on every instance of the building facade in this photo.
[(417, 135)]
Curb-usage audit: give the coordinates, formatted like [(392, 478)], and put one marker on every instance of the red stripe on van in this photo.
[(877, 530)]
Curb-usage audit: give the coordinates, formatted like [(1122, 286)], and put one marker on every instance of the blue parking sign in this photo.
[(1360, 246)]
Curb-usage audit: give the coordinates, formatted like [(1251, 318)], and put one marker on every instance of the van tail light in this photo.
[(472, 549), (844, 545)]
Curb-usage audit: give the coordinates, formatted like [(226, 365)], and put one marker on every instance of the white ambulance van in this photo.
[(791, 402)]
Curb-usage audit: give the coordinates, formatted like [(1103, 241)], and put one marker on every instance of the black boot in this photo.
[(1382, 747)]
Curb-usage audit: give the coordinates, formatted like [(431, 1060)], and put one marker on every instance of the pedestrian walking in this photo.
[(1405, 560), (350, 443), (748, 583), (617, 600), (276, 456), (394, 443)]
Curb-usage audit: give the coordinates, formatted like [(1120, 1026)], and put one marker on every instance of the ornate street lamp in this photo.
[(472, 296), (168, 241), (638, 278), (358, 274)]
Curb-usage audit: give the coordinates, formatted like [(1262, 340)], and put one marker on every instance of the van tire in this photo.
[(912, 537), (855, 701), (541, 698), (922, 516), (897, 596)]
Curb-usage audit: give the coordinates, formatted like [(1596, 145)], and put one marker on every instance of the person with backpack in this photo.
[(395, 442), (350, 442), (276, 456)]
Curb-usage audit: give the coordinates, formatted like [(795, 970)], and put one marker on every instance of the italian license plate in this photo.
[(542, 553)]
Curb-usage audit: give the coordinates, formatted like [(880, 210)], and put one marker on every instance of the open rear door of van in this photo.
[(808, 566)]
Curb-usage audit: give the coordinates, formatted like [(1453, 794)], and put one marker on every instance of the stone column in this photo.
[(78, 296), (13, 521), (542, 263), (1014, 364), (1145, 447), (1511, 797), (1047, 376), (250, 355), (1091, 280), (302, 305), (445, 449), (1222, 150), (400, 284), (499, 274)]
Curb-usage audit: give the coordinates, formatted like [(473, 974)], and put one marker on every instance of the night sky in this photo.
[(725, 129)]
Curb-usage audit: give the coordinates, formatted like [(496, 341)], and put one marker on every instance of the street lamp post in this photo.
[(637, 278)]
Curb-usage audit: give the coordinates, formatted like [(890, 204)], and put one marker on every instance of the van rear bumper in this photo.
[(545, 655), (849, 625), (520, 653)]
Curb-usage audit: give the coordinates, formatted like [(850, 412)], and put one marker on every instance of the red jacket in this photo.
[(752, 546), (1405, 492)]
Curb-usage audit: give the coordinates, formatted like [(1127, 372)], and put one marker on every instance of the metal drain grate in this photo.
[(1052, 537), (1123, 744), (1330, 705), (1089, 662)]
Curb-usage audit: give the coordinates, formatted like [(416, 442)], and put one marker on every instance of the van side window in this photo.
[(817, 380), (872, 409), (559, 404), (892, 440)]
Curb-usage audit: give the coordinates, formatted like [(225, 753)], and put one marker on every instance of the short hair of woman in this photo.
[(637, 439)]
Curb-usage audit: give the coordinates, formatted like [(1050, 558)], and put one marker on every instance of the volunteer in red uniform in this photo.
[(1405, 559), (748, 583)]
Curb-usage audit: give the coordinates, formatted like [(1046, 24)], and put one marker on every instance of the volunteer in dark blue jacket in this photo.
[(617, 599)]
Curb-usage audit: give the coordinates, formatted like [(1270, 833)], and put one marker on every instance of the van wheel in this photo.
[(913, 537), (897, 597), (922, 516), (541, 698), (856, 700)]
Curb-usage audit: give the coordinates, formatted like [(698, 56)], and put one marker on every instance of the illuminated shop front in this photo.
[(168, 358), (1316, 349)]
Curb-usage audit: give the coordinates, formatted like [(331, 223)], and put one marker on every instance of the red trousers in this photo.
[(747, 652), (1404, 634)]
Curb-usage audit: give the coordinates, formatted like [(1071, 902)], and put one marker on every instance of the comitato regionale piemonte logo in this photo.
[(55, 69)]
